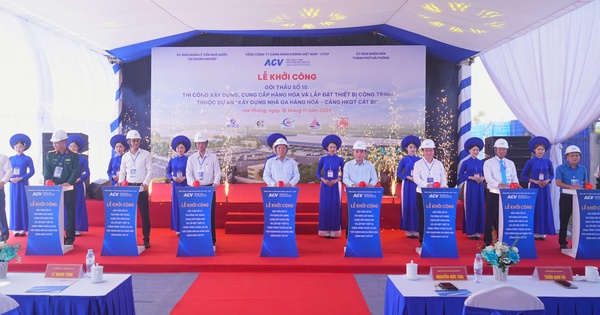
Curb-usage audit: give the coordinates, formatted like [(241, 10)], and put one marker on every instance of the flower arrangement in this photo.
[(9, 252), (501, 255)]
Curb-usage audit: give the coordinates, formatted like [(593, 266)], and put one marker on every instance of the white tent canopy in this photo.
[(452, 30)]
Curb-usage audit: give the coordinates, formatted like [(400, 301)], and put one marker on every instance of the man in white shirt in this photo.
[(426, 172), (281, 168), (136, 169), (203, 167), (499, 172), (6, 173), (359, 170)]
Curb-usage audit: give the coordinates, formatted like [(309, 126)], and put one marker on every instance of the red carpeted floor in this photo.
[(240, 253), (273, 293)]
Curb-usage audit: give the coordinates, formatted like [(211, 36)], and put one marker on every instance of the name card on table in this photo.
[(63, 271), (553, 273), (446, 273)]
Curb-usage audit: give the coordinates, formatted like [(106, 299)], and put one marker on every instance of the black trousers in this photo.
[(492, 203), (144, 207), (565, 211), (421, 210), (70, 198)]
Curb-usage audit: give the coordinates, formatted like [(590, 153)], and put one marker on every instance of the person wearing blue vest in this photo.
[(569, 175)]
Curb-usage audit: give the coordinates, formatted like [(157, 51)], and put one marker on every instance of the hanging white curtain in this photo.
[(49, 82), (550, 78)]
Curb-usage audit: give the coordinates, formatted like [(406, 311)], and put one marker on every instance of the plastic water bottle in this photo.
[(90, 260), (478, 268)]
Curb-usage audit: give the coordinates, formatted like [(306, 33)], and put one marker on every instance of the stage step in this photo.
[(257, 227)]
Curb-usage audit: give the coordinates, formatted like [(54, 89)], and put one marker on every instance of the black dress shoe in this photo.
[(146, 244), (69, 242), (563, 246)]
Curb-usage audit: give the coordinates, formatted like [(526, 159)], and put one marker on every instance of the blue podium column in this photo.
[(279, 232), (515, 219), (120, 221), (585, 234), (439, 236), (195, 238), (46, 220), (364, 209)]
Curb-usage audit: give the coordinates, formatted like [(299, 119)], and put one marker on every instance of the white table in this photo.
[(112, 296), (414, 297)]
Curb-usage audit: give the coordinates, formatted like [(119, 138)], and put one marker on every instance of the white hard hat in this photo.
[(571, 149), (428, 144), (199, 137), (359, 145), (501, 143), (280, 141), (59, 135), (133, 134)]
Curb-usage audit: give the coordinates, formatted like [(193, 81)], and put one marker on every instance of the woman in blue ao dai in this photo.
[(409, 221), (77, 145), (23, 169), (176, 173), (471, 175), (120, 146), (330, 203), (539, 172)]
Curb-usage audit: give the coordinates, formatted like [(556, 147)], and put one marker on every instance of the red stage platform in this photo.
[(241, 212)]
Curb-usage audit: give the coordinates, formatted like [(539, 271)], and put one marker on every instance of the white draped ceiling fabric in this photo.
[(50, 82), (550, 78)]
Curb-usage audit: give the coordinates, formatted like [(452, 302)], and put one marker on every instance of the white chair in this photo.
[(503, 299), (9, 306)]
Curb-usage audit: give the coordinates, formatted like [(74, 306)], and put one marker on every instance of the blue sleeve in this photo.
[(550, 170), (28, 175), (320, 168), (110, 169), (462, 173), (525, 173), (400, 172), (170, 169), (85, 168)]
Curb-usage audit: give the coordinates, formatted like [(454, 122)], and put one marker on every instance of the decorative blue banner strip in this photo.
[(589, 224), (364, 208), (279, 234), (46, 224), (120, 223), (518, 206), (195, 239), (439, 238)]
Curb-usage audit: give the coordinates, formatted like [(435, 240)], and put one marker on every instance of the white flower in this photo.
[(515, 249), (489, 248)]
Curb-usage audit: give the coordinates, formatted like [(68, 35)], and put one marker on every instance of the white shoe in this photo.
[(78, 233), (214, 248), (344, 249)]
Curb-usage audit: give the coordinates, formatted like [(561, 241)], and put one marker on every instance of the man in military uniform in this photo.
[(62, 167)]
